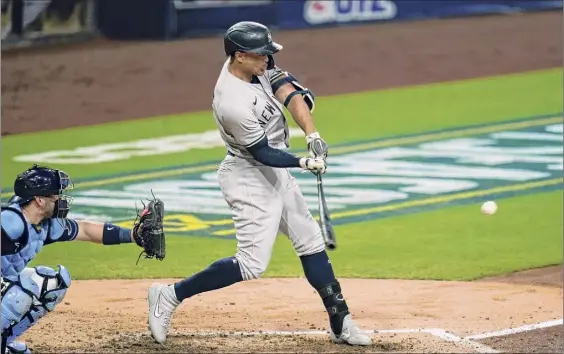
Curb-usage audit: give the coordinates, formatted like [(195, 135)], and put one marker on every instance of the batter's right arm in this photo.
[(269, 156)]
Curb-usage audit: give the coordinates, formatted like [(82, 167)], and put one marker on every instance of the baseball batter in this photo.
[(264, 198)]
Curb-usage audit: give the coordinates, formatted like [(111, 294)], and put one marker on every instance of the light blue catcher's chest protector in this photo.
[(28, 240)]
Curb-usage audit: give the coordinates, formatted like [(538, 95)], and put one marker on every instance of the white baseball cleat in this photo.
[(162, 303), (351, 334)]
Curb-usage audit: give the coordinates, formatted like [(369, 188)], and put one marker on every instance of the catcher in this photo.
[(36, 216)]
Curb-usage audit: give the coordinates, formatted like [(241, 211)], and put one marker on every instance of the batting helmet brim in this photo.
[(269, 49)]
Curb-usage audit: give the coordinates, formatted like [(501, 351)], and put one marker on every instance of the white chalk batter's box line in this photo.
[(467, 342)]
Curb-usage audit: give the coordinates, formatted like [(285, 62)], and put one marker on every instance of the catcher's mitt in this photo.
[(148, 230)]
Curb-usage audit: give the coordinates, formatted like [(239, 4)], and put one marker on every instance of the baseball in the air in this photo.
[(489, 207)]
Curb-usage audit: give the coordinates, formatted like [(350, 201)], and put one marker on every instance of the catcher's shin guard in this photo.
[(16, 348), (51, 288), (17, 299)]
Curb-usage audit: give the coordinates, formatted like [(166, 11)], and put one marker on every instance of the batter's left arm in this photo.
[(298, 108), (287, 93), (300, 102)]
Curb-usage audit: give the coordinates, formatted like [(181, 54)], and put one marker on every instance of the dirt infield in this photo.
[(103, 81), (111, 316)]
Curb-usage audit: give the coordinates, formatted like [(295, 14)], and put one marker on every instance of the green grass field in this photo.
[(447, 243)]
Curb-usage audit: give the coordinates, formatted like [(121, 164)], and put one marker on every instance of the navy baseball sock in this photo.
[(318, 269), (319, 273), (219, 274)]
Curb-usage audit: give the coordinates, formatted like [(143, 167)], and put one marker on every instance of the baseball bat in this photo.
[(324, 217)]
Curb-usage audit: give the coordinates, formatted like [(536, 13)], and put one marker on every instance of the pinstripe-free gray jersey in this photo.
[(246, 112)]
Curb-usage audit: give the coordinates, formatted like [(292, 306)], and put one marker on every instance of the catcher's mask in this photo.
[(252, 37), (42, 181)]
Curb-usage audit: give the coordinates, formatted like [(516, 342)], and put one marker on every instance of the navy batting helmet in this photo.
[(39, 181), (250, 37)]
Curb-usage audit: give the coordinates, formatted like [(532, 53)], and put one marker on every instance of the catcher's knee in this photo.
[(53, 284), (251, 267)]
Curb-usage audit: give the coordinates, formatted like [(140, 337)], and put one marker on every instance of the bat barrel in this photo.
[(324, 218)]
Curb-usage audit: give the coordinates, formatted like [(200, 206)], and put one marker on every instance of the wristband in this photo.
[(114, 235)]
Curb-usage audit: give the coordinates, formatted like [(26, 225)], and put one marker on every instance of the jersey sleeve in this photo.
[(13, 228), (61, 230), (240, 122), (12, 225), (277, 77)]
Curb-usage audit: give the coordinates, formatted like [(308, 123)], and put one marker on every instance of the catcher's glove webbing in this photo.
[(148, 231)]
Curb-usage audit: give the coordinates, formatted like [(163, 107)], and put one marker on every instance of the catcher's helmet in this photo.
[(247, 36), (39, 181)]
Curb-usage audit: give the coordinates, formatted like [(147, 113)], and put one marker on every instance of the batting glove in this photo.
[(316, 146), (316, 165)]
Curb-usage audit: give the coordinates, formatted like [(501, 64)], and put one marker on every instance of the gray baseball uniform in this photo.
[(264, 197), (264, 200)]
